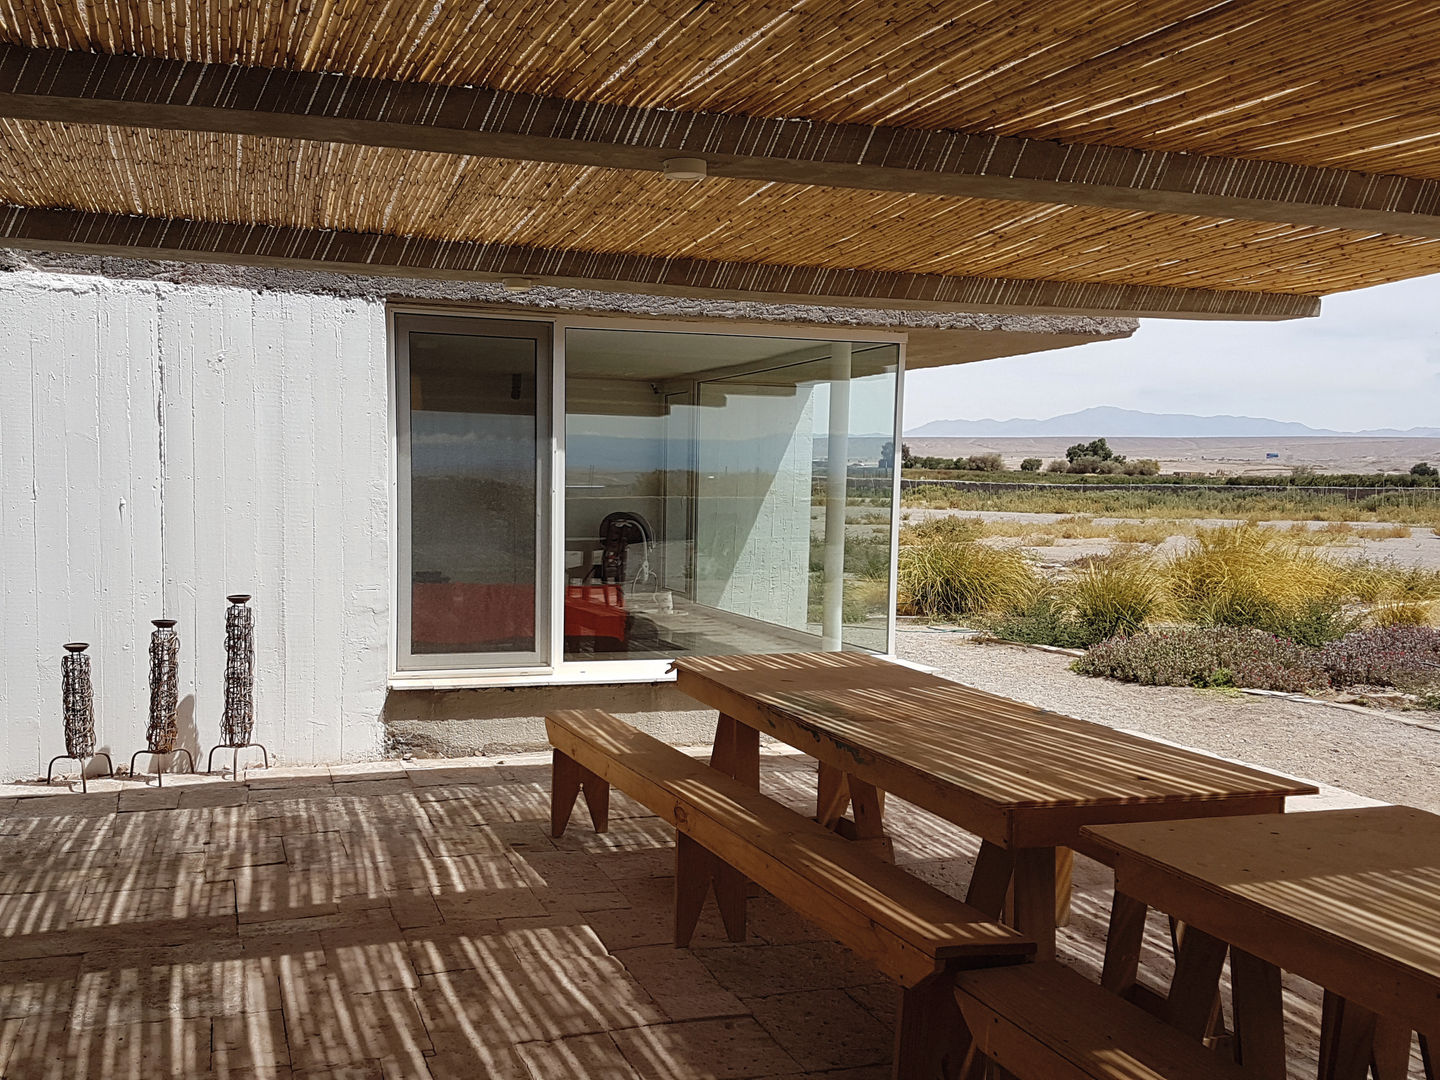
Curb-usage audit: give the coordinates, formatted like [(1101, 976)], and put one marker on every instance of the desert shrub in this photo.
[(1247, 576), (1030, 464), (1142, 467), (1085, 465), (1406, 657), (1097, 448), (1043, 620), (1058, 466), (1207, 656), (1146, 532), (1112, 467), (1118, 594), (953, 579), (985, 463), (1424, 468)]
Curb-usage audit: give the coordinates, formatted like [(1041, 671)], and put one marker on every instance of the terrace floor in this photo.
[(410, 921)]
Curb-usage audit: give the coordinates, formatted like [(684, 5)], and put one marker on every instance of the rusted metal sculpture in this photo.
[(164, 698), (237, 723), (79, 712)]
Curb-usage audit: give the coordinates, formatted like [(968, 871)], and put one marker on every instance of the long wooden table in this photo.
[(1023, 779), (1348, 899)]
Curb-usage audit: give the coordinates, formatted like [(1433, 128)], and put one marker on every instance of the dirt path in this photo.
[(1378, 758)]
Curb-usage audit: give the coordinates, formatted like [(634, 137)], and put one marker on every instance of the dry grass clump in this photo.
[(1118, 594), (1256, 577), (950, 579)]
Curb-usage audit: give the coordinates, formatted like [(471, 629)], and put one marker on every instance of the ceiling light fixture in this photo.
[(684, 168)]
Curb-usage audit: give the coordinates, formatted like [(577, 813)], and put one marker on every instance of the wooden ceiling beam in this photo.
[(84, 88), (352, 252)]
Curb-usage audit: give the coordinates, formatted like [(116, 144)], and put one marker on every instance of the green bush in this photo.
[(1142, 467), (1058, 466), (1030, 464), (1207, 657), (1042, 621)]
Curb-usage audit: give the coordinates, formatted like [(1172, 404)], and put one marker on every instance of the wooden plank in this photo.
[(991, 878), (281, 246), (903, 925), (1044, 1021), (83, 88), (1349, 899)]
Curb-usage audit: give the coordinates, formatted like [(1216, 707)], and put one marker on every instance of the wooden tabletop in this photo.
[(1349, 899), (1016, 775)]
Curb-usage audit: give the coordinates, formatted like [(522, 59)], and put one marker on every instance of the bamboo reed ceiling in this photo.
[(1312, 82), (248, 179)]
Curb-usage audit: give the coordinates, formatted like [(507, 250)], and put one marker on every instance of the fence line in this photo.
[(1352, 494)]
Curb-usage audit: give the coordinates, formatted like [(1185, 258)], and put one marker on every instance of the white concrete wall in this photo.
[(161, 446)]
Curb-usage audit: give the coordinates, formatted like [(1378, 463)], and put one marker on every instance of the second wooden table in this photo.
[(1023, 779)]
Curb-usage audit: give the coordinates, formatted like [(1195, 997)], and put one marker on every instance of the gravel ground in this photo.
[(1372, 756)]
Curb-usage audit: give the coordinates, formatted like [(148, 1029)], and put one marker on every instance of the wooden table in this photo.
[(1348, 899), (1023, 779)]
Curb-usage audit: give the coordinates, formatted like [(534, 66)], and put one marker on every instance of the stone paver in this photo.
[(414, 921)]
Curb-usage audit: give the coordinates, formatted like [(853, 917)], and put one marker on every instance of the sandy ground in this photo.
[(1420, 549), (1229, 457), (1367, 754)]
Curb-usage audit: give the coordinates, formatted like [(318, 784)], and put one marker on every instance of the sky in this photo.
[(1370, 360)]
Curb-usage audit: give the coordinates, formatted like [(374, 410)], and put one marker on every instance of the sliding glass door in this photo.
[(473, 400)]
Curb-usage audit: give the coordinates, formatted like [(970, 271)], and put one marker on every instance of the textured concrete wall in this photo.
[(161, 446)]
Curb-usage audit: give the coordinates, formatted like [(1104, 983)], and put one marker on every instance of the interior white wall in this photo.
[(162, 445)]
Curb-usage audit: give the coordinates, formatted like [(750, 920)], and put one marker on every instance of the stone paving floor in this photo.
[(415, 921)]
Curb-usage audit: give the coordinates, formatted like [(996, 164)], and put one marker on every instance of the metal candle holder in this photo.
[(79, 711), (164, 698), (237, 723)]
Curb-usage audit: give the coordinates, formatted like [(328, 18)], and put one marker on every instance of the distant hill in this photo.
[(1110, 422)]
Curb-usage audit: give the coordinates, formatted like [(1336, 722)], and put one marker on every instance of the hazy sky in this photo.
[(1371, 360)]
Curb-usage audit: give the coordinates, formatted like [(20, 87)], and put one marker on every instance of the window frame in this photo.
[(557, 671)]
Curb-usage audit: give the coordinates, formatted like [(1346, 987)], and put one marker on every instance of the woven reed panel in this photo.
[(247, 179), (1314, 82)]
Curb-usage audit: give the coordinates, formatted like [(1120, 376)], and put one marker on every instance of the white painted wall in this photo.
[(163, 445)]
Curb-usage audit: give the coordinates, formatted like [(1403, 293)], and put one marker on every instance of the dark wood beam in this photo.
[(350, 252), (85, 88)]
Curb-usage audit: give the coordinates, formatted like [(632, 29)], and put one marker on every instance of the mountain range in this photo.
[(1112, 422)]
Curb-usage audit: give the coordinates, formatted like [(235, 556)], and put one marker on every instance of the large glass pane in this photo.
[(696, 494), (474, 490)]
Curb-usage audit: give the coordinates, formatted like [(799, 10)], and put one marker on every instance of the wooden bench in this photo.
[(728, 832), (1045, 1021)]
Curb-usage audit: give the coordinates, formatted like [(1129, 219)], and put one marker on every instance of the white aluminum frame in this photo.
[(562, 672)]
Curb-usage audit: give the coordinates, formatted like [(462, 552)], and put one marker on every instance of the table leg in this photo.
[(1347, 1038), (990, 881), (931, 1039), (1432, 1072), (1195, 991), (1122, 945), (737, 751), (1064, 872), (1034, 893), (1390, 1054), (838, 790), (1259, 1015)]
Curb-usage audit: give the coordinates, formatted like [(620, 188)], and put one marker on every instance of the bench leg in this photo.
[(1123, 945), (568, 778), (696, 870), (990, 881), (931, 1039)]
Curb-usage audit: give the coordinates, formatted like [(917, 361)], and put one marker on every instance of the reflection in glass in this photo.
[(698, 477), (473, 491)]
